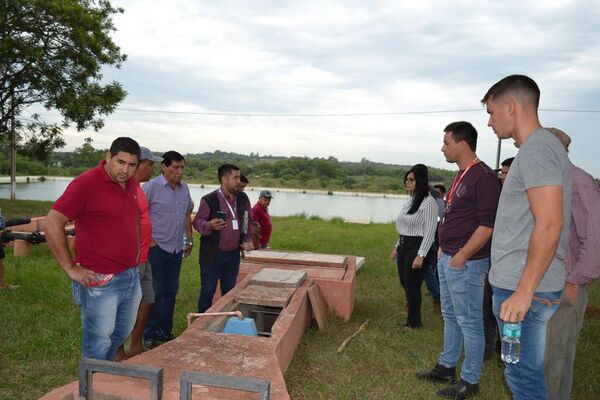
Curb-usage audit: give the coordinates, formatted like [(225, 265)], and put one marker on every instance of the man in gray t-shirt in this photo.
[(531, 229), (541, 161)]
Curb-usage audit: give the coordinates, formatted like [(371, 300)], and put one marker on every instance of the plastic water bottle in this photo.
[(186, 243), (511, 344)]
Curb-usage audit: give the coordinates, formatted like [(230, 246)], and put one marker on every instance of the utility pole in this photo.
[(498, 153), (13, 150)]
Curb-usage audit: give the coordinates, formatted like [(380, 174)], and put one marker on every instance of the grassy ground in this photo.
[(40, 330)]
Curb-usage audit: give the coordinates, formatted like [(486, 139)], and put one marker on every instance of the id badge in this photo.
[(234, 224)]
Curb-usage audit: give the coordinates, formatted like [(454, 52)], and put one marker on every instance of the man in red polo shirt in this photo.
[(102, 202)]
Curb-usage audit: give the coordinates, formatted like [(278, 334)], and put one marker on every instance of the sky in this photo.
[(349, 79)]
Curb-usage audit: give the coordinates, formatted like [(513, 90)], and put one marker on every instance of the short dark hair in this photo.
[(463, 130), (421, 186), (125, 144), (226, 169), (244, 179), (171, 156), (507, 162), (522, 86), (440, 187)]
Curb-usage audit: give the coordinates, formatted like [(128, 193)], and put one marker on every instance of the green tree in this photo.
[(51, 54), (325, 169)]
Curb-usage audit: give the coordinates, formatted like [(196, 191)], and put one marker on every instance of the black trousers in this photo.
[(412, 279)]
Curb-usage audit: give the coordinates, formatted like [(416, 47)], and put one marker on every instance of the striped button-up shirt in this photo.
[(582, 262), (422, 223), (169, 208)]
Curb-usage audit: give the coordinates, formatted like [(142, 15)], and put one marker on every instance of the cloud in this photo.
[(315, 57)]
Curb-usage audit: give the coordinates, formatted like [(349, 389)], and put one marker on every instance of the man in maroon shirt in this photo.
[(260, 215), (102, 202), (224, 222), (464, 233)]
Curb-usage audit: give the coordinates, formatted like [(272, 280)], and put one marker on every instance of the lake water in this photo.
[(372, 208)]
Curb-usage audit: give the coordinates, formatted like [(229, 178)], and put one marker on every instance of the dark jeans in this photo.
[(431, 276), (490, 326), (166, 268), (224, 267), (412, 279)]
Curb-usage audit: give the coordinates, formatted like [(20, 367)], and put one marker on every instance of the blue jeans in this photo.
[(166, 268), (461, 292), (431, 280), (108, 313), (526, 379), (224, 267)]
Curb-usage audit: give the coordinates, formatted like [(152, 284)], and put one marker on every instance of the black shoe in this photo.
[(439, 373), (462, 390), (150, 344), (168, 338)]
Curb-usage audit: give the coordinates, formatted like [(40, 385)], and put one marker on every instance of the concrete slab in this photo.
[(338, 285), (311, 272), (241, 356), (279, 277), (265, 295), (318, 305), (303, 258), (360, 261)]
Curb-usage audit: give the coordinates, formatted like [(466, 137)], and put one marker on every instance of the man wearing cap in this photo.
[(142, 174), (170, 210), (106, 285), (225, 222), (583, 267), (260, 214)]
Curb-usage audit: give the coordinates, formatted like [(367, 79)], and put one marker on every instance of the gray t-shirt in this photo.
[(541, 161)]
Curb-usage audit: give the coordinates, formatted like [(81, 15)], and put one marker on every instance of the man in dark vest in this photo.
[(224, 221)]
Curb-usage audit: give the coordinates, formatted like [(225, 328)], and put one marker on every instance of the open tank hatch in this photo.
[(265, 318)]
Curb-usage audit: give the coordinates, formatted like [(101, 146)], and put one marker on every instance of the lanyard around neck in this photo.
[(458, 180), (234, 209)]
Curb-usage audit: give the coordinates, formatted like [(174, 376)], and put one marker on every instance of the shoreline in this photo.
[(36, 178)]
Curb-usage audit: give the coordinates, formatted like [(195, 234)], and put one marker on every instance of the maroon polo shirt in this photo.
[(474, 204), (106, 220), (261, 215)]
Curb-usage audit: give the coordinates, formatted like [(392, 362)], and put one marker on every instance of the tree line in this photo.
[(261, 170)]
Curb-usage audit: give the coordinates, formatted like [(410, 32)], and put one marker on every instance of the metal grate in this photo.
[(89, 366), (189, 378)]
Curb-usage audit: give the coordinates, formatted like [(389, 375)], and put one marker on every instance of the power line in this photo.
[(295, 115), (373, 114), (569, 110)]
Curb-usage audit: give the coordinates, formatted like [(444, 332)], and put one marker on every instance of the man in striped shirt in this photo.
[(583, 267)]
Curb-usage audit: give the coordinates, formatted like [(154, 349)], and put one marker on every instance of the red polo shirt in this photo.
[(106, 220), (145, 225), (261, 215)]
